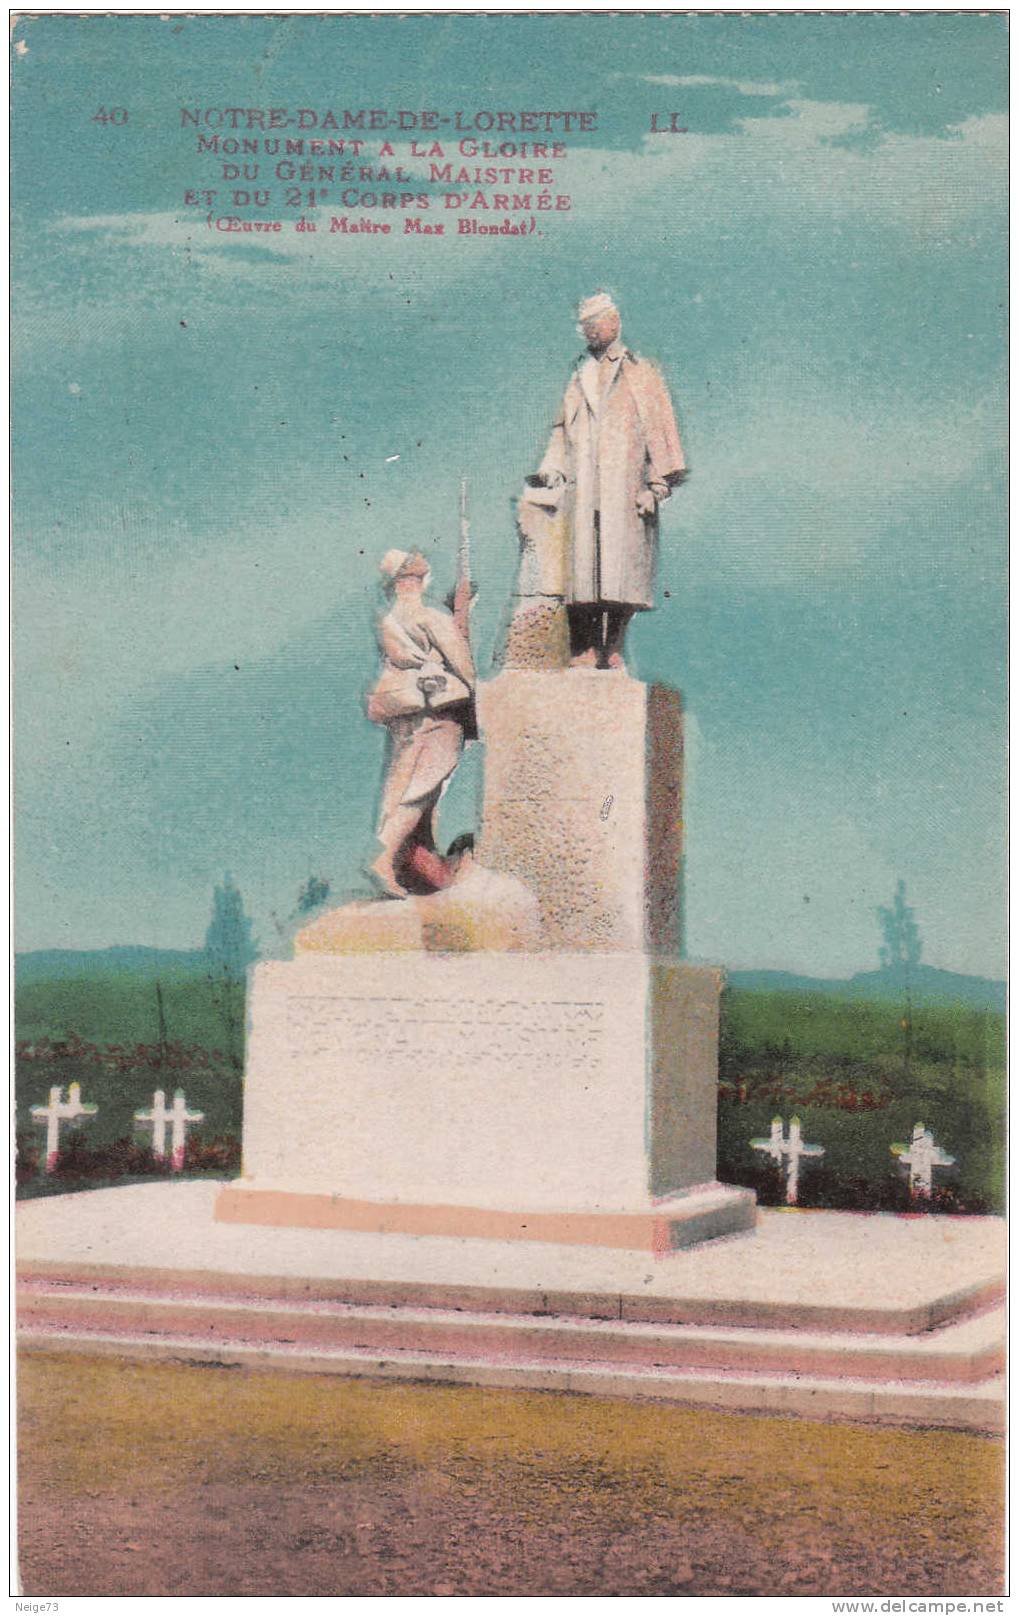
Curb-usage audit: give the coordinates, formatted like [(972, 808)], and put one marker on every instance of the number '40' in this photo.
[(114, 115)]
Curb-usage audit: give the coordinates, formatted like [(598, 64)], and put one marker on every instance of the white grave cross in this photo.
[(181, 1117), (59, 1110), (156, 1119), (921, 1156), (792, 1149)]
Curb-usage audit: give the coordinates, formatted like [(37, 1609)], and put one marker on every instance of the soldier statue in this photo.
[(613, 457), (423, 696)]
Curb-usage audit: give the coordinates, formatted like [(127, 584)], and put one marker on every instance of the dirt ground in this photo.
[(195, 1480)]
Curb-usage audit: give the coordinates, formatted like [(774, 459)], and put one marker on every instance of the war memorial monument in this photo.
[(479, 1110)]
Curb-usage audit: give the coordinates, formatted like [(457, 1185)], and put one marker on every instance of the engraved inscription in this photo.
[(551, 1036)]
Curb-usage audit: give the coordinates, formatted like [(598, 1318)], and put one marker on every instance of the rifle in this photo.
[(464, 590), (463, 595)]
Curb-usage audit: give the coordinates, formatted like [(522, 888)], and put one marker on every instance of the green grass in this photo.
[(867, 1034), (102, 1032), (120, 1009)]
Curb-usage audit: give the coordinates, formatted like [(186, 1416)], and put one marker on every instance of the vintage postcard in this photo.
[(509, 560)]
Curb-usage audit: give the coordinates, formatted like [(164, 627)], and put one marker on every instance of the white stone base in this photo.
[(514, 1095), (678, 1221)]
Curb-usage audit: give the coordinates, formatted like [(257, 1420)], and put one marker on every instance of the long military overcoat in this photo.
[(615, 435)]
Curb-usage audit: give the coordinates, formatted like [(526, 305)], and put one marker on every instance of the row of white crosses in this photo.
[(921, 1156), (58, 1111)]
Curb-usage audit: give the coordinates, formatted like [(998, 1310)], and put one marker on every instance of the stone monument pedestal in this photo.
[(522, 1056), (555, 1097), (583, 803)]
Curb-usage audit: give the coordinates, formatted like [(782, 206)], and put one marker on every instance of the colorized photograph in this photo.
[(509, 577)]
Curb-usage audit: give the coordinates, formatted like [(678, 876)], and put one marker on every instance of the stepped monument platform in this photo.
[(823, 1315), (479, 1144)]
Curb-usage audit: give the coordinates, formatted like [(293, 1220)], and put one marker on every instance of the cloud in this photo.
[(237, 253), (830, 441), (173, 230), (696, 81), (256, 589), (810, 123), (818, 161), (248, 250), (168, 599), (310, 258)]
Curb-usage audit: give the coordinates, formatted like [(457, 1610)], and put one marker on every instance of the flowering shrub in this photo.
[(825, 1092), (221, 1154), (72, 1057), (82, 1164), (121, 1158)]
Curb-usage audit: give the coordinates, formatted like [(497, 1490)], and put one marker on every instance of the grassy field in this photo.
[(121, 1008), (858, 1037), (103, 1033), (842, 1066), (845, 1070)]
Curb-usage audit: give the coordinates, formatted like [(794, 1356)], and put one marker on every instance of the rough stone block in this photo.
[(481, 910), (583, 803)]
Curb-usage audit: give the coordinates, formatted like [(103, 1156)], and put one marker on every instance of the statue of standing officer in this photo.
[(613, 457)]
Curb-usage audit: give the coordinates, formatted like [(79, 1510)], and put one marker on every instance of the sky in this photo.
[(217, 435)]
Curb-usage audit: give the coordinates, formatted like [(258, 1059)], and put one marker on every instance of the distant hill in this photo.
[(930, 986), (63, 964)]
